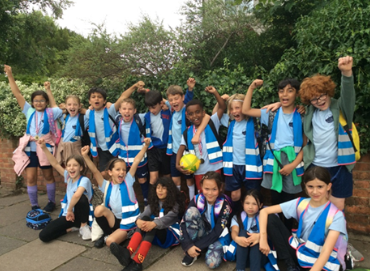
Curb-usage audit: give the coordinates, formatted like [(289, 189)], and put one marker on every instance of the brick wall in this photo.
[(357, 207)]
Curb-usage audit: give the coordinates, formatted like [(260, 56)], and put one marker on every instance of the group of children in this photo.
[(314, 148)]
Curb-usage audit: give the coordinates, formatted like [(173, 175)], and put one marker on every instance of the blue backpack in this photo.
[(37, 219)]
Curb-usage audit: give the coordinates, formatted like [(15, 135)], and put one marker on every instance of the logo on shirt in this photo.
[(102, 119), (244, 132), (74, 126), (290, 124), (179, 121), (330, 119), (167, 117)]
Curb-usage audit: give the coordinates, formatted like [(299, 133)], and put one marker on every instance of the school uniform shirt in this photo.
[(284, 132), (206, 166), (70, 127), (176, 128), (99, 125), (289, 209), (72, 188), (324, 139), (156, 125), (234, 222), (57, 113), (115, 202), (126, 126), (239, 134)]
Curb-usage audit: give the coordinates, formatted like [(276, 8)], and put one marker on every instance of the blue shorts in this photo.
[(141, 172), (237, 180), (341, 180), (174, 171), (34, 161)]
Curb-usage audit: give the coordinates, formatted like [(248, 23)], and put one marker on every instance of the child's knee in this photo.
[(99, 211), (44, 236)]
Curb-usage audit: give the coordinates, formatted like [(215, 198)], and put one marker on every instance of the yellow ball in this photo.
[(190, 162)]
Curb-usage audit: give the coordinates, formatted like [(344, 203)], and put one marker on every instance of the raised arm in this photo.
[(263, 218), (347, 96), (221, 102), (13, 86), (53, 162), (247, 104), (139, 156), (127, 93), (225, 97), (97, 175), (50, 95)]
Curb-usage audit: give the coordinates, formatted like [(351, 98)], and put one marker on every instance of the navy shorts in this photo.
[(158, 160), (34, 161), (174, 171), (237, 180), (141, 172), (341, 180), (104, 158)]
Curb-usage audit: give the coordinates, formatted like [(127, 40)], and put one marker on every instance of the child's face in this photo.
[(210, 190), (321, 101), (127, 111), (118, 173), (161, 192), (176, 101), (195, 114), (74, 169), (72, 106), (287, 96), (318, 191), (39, 103), (250, 206), (155, 109), (97, 101), (236, 110)]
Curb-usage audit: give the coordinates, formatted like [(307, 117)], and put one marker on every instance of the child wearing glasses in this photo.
[(29, 156)]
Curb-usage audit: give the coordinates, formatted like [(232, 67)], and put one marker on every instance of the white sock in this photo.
[(191, 191), (178, 187)]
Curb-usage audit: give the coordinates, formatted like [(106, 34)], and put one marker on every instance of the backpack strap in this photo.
[(113, 120), (215, 132), (185, 135), (140, 125), (81, 119)]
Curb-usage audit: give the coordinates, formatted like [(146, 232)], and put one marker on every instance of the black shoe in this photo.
[(34, 207), (292, 267), (100, 242), (133, 266), (122, 254), (188, 261), (49, 207)]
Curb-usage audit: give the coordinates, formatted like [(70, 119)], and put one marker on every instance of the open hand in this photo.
[(193, 251), (70, 216), (253, 238)]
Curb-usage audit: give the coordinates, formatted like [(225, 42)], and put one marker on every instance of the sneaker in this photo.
[(122, 254), (85, 232), (188, 261), (100, 242), (49, 207), (34, 207), (134, 266), (146, 202), (355, 254)]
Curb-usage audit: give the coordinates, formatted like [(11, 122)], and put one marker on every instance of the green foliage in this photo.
[(13, 121)]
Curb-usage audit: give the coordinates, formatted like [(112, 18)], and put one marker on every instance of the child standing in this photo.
[(241, 159), (158, 225), (130, 142), (70, 143), (102, 128), (178, 125), (321, 239), (78, 195), (204, 227), (38, 118), (330, 146), (120, 209), (245, 232), (209, 148), (282, 163)]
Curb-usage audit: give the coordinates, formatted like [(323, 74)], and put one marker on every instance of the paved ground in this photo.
[(20, 248)]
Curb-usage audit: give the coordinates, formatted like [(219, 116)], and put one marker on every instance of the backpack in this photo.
[(85, 138), (213, 128), (55, 127), (355, 139), (37, 219)]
